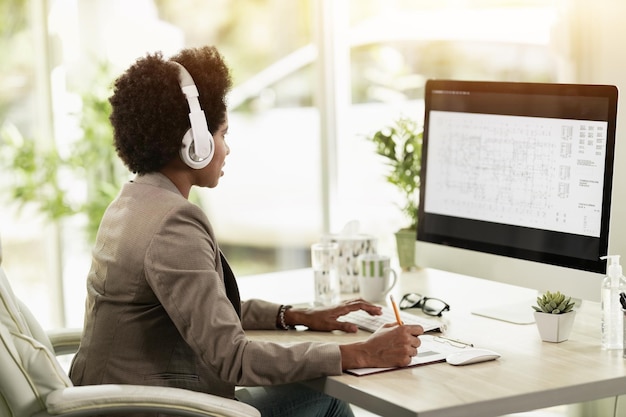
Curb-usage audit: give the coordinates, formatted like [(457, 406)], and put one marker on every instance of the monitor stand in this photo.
[(520, 312)]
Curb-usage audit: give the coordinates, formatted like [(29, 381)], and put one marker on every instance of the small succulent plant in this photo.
[(554, 303)]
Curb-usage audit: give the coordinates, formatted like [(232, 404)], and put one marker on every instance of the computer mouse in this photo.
[(471, 355)]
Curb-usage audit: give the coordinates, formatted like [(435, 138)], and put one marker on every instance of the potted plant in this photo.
[(554, 316), (400, 144)]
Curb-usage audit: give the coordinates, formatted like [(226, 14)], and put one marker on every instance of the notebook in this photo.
[(433, 349)]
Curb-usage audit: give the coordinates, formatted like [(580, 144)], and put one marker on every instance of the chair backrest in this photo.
[(30, 370), (18, 313)]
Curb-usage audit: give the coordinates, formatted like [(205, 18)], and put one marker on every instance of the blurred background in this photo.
[(312, 79)]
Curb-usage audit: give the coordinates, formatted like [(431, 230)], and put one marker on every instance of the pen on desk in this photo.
[(454, 341), (395, 310)]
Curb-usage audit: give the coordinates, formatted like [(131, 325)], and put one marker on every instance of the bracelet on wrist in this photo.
[(281, 317)]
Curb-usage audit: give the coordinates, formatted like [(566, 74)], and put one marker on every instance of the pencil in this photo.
[(395, 310)]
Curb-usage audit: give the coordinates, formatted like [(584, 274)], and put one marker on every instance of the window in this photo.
[(269, 206)]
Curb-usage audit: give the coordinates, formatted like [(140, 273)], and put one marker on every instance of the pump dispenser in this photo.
[(612, 315)]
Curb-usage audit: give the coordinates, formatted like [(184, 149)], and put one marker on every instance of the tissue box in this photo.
[(350, 247)]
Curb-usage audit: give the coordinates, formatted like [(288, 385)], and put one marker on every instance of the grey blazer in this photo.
[(161, 311)]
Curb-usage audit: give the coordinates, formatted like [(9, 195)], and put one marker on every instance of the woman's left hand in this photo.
[(325, 318)]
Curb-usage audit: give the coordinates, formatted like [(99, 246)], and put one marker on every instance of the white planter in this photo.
[(554, 327)]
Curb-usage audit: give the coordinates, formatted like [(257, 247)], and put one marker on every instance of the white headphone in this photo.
[(197, 146)]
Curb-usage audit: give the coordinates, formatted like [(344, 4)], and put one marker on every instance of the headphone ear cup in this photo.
[(188, 155)]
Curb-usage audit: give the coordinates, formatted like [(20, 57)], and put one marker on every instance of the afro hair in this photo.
[(150, 113)]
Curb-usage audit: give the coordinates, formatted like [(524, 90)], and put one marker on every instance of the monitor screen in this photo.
[(519, 170)]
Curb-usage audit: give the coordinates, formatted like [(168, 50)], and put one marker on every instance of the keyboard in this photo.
[(371, 323)]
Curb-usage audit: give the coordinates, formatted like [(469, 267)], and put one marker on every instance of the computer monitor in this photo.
[(516, 185)]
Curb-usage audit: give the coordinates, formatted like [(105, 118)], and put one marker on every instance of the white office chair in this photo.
[(33, 384)]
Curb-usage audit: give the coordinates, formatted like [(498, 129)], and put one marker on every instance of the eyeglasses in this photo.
[(430, 306)]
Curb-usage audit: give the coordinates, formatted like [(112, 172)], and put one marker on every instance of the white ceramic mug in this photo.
[(376, 277)]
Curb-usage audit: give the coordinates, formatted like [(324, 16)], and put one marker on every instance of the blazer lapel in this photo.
[(232, 290)]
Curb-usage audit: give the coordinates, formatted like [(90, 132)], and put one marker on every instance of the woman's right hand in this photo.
[(390, 346)]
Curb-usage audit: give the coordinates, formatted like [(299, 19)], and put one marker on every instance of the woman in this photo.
[(163, 306)]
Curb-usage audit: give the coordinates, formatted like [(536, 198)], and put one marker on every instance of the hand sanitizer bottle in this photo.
[(612, 315)]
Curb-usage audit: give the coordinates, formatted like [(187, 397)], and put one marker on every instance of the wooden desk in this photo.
[(531, 374)]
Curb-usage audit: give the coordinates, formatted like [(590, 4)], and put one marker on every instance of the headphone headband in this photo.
[(197, 144)]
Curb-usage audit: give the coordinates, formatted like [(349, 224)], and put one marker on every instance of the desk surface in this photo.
[(531, 374)]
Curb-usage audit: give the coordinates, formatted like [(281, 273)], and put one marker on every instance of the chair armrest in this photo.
[(91, 400), (65, 341)]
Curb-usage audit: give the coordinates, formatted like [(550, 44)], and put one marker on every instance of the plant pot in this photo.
[(554, 327), (405, 244)]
